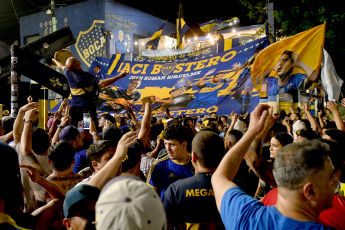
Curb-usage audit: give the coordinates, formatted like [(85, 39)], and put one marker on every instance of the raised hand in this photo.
[(332, 106), (31, 115), (126, 141), (258, 118), (31, 105), (32, 173)]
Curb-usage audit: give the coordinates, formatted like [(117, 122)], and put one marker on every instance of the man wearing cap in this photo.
[(198, 124), (79, 204), (190, 202), (135, 206), (174, 164)]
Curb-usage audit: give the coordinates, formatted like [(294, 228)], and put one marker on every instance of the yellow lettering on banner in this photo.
[(200, 65), (179, 112), (189, 193), (145, 68), (200, 110), (102, 41), (190, 111), (212, 109), (178, 68), (86, 54), (156, 69), (213, 61), (134, 71), (189, 66), (197, 192), (91, 49), (126, 68), (97, 46), (225, 58)]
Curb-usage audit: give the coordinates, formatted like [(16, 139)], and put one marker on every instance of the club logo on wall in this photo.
[(92, 42)]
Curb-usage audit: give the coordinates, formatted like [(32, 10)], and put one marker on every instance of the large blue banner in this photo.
[(197, 85)]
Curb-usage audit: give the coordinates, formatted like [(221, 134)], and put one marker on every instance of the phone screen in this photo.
[(86, 120)]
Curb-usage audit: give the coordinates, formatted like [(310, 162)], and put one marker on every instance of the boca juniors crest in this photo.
[(91, 43)]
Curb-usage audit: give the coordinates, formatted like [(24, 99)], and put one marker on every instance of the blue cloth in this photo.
[(241, 211), (79, 80), (207, 95), (81, 161), (273, 88), (166, 171)]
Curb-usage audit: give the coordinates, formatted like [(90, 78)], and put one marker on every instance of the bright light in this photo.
[(142, 43), (238, 34), (196, 38), (208, 35), (125, 43), (233, 30), (188, 40), (136, 43)]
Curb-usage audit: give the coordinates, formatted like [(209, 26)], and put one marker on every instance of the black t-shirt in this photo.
[(192, 200)]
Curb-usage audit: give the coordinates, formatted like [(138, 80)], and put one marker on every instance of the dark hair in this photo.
[(175, 132), (112, 133), (96, 151), (109, 117), (8, 124), (336, 153), (40, 141), (297, 161), (289, 53), (236, 133), (336, 134), (278, 128), (209, 148), (283, 138), (156, 129), (61, 155), (186, 120), (309, 134), (10, 177)]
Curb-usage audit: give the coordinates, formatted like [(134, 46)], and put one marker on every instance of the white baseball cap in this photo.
[(126, 203)]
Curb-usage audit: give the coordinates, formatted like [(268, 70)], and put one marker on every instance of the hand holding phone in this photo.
[(86, 121)]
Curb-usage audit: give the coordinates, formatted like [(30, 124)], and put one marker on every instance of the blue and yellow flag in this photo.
[(218, 24), (182, 27), (306, 46), (152, 44)]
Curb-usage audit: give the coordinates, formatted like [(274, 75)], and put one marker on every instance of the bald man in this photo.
[(83, 87)]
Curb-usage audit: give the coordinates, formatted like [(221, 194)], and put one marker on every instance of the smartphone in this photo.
[(86, 120)]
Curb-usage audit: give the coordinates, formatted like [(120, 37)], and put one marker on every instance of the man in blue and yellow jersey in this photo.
[(185, 200), (173, 165), (208, 93), (83, 87)]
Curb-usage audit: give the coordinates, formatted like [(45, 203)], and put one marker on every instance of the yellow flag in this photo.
[(308, 45)]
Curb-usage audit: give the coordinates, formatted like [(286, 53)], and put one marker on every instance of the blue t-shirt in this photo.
[(207, 95), (273, 88), (78, 81), (166, 171), (81, 161), (241, 211)]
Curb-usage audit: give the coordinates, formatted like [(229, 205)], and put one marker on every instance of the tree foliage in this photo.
[(294, 16)]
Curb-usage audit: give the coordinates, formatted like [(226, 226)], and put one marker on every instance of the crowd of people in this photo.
[(239, 171)]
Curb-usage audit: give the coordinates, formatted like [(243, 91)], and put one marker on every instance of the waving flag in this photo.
[(305, 49), (182, 27), (329, 78), (218, 24), (152, 44)]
